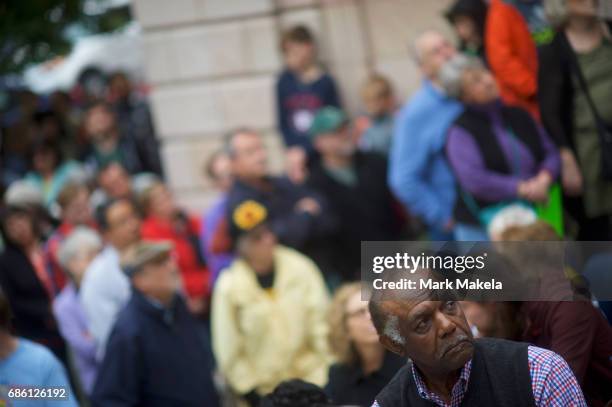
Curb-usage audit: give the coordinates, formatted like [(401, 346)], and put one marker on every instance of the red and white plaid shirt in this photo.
[(552, 381)]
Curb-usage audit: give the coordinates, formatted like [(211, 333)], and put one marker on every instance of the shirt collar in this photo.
[(155, 308), (459, 389)]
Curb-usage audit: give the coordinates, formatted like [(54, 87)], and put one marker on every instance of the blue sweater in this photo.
[(297, 103), (34, 365), (419, 174), (155, 357)]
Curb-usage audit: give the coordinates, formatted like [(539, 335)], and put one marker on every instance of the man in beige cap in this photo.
[(154, 355)]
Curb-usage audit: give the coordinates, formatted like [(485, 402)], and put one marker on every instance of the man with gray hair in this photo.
[(418, 172), (448, 367), (75, 254)]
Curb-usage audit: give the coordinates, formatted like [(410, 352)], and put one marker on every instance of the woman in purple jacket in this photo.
[(75, 254), (499, 154)]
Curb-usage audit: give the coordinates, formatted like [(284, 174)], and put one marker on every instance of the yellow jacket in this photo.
[(262, 337)]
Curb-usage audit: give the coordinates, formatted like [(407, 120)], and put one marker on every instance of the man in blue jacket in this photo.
[(418, 172), (154, 356)]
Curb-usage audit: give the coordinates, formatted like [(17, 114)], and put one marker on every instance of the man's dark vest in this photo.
[(499, 377), (479, 126)]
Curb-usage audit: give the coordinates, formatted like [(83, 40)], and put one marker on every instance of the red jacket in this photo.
[(194, 274), (512, 56)]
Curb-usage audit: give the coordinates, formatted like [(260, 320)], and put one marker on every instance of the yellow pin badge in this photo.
[(249, 214)]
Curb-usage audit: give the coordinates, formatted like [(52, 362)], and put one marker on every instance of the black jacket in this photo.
[(155, 358), (32, 313), (364, 212), (556, 91), (347, 384)]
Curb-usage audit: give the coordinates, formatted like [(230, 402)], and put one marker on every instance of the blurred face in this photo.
[(115, 181), (378, 104), (60, 102), (78, 211), (20, 229), (120, 87), (222, 170), (585, 8), (434, 51), (298, 55), (78, 265), (161, 202), (358, 322), (100, 124), (257, 247), (44, 161), (338, 143), (50, 129), (437, 336), (466, 29), (250, 158), (123, 225), (478, 87), (159, 280)]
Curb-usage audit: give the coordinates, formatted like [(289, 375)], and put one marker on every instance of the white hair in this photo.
[(392, 330), (416, 49), (81, 240), (512, 215), (23, 193), (451, 73)]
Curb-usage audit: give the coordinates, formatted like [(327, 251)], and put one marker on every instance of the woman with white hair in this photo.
[(75, 254), (499, 154), (582, 46)]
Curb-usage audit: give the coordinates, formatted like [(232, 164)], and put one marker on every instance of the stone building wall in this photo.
[(212, 66)]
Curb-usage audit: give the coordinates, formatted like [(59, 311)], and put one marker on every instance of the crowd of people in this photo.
[(112, 290)]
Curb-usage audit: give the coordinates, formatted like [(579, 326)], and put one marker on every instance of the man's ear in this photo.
[(392, 345)]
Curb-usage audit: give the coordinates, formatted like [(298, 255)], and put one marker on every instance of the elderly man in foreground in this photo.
[(450, 368)]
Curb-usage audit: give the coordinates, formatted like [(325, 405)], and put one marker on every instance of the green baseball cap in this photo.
[(327, 120)]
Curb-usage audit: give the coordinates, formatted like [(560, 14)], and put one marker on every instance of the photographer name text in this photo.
[(430, 284)]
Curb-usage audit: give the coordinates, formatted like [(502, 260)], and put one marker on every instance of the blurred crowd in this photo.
[(110, 288)]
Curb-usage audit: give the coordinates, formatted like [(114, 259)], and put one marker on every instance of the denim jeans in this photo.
[(470, 233)]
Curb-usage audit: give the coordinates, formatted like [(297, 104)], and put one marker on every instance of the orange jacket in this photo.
[(512, 56)]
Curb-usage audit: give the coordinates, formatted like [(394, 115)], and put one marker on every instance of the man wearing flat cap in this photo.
[(354, 183), (154, 355)]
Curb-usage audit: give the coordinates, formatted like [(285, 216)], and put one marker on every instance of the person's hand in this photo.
[(571, 177), (534, 189), (308, 205), (295, 164)]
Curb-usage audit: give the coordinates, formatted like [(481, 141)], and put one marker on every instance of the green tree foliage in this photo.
[(34, 31)]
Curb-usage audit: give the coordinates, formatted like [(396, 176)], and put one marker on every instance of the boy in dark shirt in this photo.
[(303, 87)]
